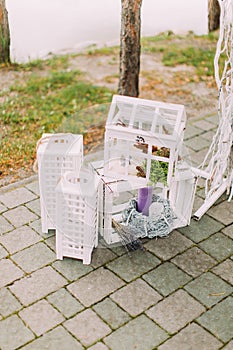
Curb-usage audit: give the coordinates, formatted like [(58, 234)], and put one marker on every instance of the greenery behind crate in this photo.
[(48, 93)]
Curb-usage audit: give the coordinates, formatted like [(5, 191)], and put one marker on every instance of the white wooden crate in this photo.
[(77, 216), (56, 154), (182, 194), (114, 195), (139, 132)]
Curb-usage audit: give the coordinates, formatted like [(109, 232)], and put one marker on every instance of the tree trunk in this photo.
[(130, 47), (4, 34), (213, 15)]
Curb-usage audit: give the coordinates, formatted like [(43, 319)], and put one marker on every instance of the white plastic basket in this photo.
[(77, 216), (56, 154)]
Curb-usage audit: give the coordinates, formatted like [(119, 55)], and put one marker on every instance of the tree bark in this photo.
[(4, 34), (130, 47), (213, 15)]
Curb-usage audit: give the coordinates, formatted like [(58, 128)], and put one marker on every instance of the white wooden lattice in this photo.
[(134, 128), (77, 216), (217, 164), (56, 154), (139, 132)]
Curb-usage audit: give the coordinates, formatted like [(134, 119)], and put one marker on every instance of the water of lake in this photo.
[(42, 26)]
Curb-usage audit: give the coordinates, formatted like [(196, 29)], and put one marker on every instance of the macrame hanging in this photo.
[(217, 164)]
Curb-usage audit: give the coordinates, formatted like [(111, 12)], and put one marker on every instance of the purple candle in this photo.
[(144, 200)]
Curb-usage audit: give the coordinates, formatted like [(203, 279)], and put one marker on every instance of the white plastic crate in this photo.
[(56, 154), (140, 132), (77, 216)]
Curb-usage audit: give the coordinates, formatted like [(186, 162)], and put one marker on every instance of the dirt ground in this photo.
[(157, 82)]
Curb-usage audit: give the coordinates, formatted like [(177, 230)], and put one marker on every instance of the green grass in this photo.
[(54, 62), (198, 51), (41, 104), (201, 59), (105, 50), (48, 96)]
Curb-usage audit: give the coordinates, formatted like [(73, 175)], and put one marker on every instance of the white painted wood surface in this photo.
[(56, 154)]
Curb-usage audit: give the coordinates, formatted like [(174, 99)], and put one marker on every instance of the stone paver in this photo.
[(177, 294), (95, 286), (136, 297), (228, 231), (20, 216), (87, 327), (229, 346), (219, 320), (219, 246), (34, 206), (214, 119), (13, 333), (2, 208), (37, 285), (198, 157), (140, 333), (191, 131), (166, 278), (34, 257), (111, 313), (208, 136), (167, 248), (51, 242), (98, 346), (225, 270), (5, 226), (19, 239), (9, 304), (71, 269), (198, 201), (194, 261), (56, 339), (36, 225), (197, 231), (34, 187), (3, 252), (41, 311), (65, 302), (9, 272), (222, 212), (16, 197), (204, 125), (174, 312), (197, 143), (101, 256), (192, 337), (132, 267), (209, 289)]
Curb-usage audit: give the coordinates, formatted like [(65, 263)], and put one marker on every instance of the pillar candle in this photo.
[(144, 200)]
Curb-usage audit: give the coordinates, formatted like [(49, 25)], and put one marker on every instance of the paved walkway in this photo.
[(177, 295)]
